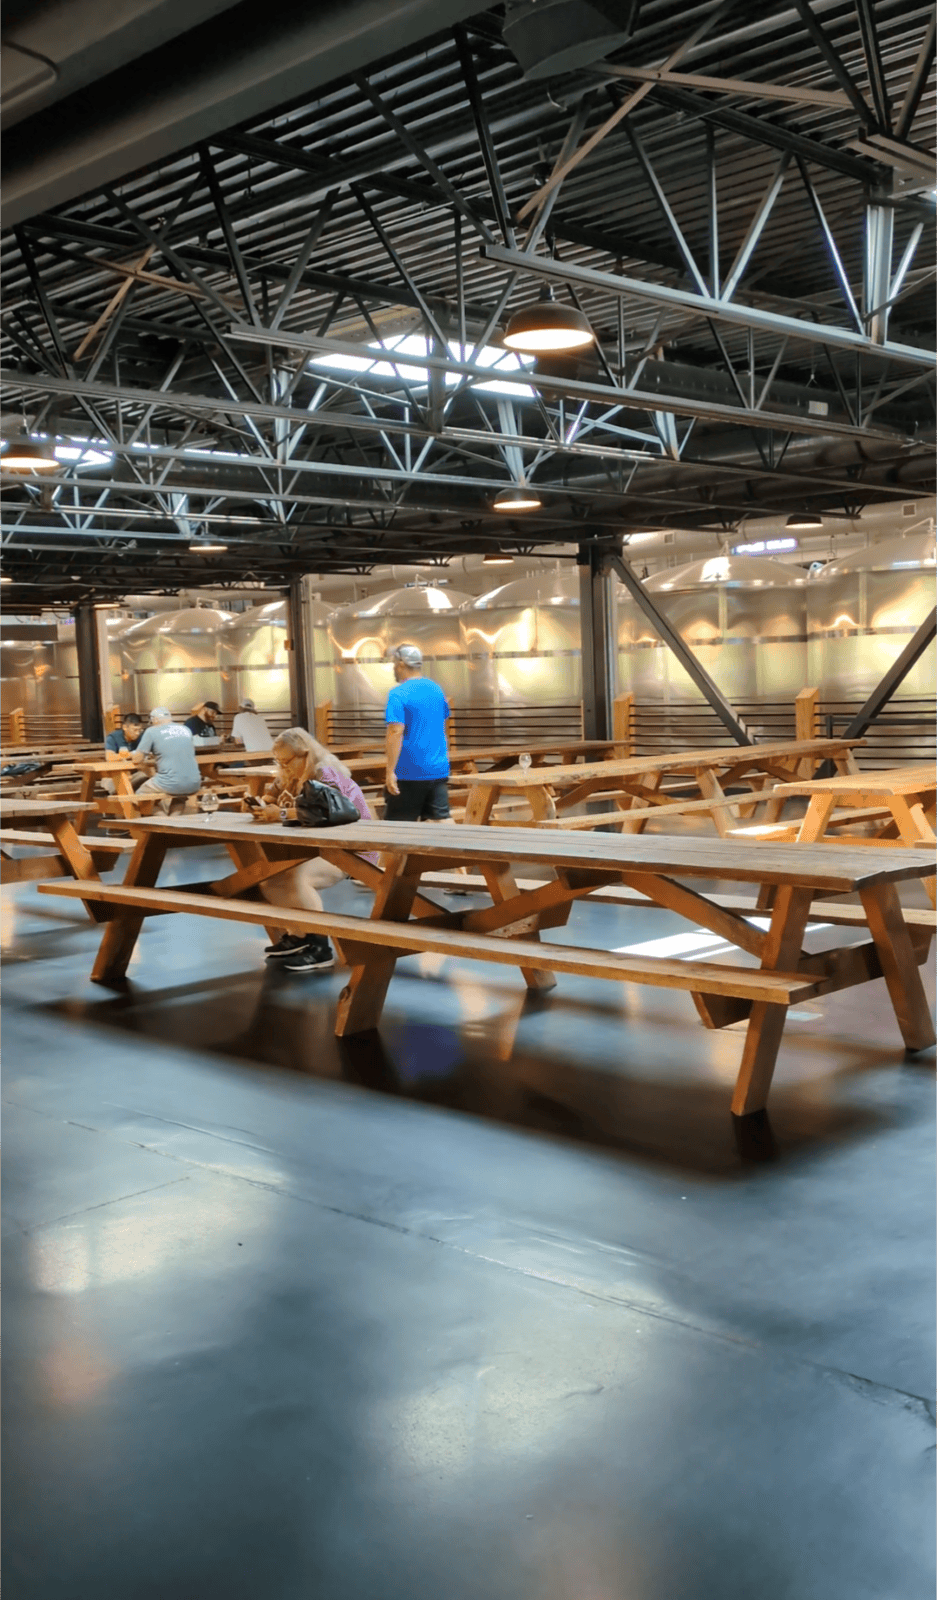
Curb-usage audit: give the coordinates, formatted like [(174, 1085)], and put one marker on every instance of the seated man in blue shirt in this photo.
[(417, 746), (121, 743)]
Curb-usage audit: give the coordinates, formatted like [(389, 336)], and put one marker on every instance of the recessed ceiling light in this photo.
[(548, 326), (519, 498)]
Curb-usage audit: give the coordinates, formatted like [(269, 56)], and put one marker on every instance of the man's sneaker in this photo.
[(317, 957), (289, 945)]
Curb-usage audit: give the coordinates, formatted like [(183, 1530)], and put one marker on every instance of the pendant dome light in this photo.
[(22, 454), (548, 326), (518, 498), (803, 520)]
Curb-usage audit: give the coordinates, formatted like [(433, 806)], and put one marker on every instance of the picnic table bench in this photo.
[(51, 829), (636, 785), (406, 919)]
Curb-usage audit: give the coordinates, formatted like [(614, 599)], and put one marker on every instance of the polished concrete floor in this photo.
[(495, 1306)]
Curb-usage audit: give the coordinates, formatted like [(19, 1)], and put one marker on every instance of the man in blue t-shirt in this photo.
[(417, 781), (121, 743)]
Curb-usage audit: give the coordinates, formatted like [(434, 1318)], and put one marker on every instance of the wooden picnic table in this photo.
[(900, 806), (126, 801), (494, 757), (406, 919), (50, 824), (636, 784)]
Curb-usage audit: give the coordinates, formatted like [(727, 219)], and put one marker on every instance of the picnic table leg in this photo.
[(362, 1000), (502, 886), (763, 1037), (481, 798), (816, 817), (899, 964), (542, 806), (124, 793), (121, 934), (712, 789), (70, 846), (914, 829), (85, 800)]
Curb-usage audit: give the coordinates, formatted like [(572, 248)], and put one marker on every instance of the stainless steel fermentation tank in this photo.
[(255, 658), (523, 643), (362, 633), (173, 659), (861, 612), (40, 676), (744, 618)]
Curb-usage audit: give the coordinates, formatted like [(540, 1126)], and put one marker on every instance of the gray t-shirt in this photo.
[(173, 748)]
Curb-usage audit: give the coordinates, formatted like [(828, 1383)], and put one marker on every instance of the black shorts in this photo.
[(419, 800)]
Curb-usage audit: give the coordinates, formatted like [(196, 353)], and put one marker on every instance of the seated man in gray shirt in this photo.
[(171, 747)]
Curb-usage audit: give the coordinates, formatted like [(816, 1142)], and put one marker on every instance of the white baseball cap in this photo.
[(161, 714), (248, 705), (408, 655)]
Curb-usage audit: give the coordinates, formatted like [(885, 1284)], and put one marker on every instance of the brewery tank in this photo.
[(744, 618), (255, 656), (523, 644), (862, 610), (173, 659), (41, 677), (362, 633)]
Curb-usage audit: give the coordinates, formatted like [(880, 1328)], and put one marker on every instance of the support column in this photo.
[(876, 286), (87, 645), (599, 655), (301, 648)]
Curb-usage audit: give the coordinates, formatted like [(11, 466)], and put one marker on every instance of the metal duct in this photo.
[(550, 37), (262, 56)]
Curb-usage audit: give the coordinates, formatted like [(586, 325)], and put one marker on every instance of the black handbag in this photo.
[(319, 805)]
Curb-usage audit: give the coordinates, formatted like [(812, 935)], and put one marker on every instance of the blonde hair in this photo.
[(303, 748)]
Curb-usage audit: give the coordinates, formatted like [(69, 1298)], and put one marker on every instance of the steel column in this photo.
[(684, 655), (89, 672), (597, 622), (876, 288), (301, 653)]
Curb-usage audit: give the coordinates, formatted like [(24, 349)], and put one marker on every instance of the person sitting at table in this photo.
[(120, 744), (170, 746), (299, 756), (201, 724), (249, 728)]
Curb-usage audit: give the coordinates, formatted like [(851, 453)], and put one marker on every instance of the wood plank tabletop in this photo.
[(685, 761), (205, 758), (460, 759), (16, 810), (897, 780), (821, 866)]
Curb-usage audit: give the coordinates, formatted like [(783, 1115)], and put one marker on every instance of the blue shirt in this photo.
[(172, 747), (421, 706), (118, 741)]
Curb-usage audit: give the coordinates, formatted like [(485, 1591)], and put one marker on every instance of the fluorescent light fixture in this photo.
[(5, 579), (503, 363), (207, 547), (28, 456), (803, 520), (548, 326), (520, 498), (764, 547)]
